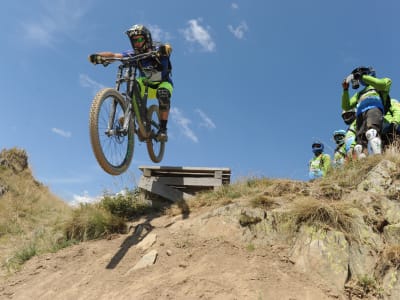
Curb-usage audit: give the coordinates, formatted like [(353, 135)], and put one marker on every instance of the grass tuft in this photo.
[(333, 215)]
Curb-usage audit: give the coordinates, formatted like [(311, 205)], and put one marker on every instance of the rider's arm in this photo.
[(394, 112), (381, 84), (327, 163), (110, 54), (347, 102)]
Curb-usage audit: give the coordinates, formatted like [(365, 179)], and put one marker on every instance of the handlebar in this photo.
[(129, 59)]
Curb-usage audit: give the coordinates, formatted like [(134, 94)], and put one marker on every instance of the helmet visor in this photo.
[(339, 138), (348, 117), (316, 146)]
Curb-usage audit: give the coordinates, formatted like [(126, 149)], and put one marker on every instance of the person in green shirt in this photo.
[(391, 122), (320, 163), (349, 118), (339, 155), (371, 103)]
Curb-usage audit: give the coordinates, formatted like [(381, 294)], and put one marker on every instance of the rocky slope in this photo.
[(337, 238)]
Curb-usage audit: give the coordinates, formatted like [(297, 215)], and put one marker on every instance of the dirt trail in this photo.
[(199, 257)]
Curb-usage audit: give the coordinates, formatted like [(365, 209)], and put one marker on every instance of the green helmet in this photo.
[(136, 31)]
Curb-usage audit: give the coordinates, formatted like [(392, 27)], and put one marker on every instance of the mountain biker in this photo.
[(349, 118), (339, 155), (391, 122), (371, 103), (157, 75), (320, 163)]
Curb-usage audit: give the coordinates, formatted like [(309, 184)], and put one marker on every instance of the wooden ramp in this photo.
[(181, 183)]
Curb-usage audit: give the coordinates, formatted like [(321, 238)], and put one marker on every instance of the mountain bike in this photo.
[(118, 114)]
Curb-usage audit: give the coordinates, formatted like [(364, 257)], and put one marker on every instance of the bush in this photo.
[(92, 221), (126, 206)]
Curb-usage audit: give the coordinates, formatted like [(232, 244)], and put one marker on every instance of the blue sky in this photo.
[(255, 81)]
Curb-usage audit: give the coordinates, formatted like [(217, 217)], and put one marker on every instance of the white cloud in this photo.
[(207, 122), (56, 20), (195, 33), (158, 34), (85, 198), (183, 124), (86, 81), (240, 30), (235, 6), (61, 132)]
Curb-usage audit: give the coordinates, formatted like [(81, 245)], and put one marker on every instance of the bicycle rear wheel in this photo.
[(112, 147), (155, 148)]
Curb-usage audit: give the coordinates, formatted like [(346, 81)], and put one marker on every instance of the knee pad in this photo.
[(164, 99), (358, 150), (371, 133), (374, 141)]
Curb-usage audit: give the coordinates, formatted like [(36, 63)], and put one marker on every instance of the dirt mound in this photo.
[(201, 256), (337, 238)]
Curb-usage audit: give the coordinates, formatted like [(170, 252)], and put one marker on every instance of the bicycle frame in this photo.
[(136, 104), (113, 142)]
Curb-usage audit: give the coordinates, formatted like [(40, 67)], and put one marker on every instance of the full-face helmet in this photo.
[(317, 147), (140, 38), (364, 71), (338, 136), (349, 116)]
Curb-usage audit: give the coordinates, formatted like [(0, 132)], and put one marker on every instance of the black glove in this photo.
[(165, 50), (97, 59)]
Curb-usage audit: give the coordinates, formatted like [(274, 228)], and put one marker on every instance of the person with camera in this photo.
[(371, 102), (339, 155), (349, 118)]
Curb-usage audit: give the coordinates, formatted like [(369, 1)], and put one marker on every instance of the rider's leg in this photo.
[(164, 103), (374, 141), (374, 129), (164, 92), (361, 142)]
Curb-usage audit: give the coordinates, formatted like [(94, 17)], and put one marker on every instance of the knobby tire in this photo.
[(155, 148), (113, 153)]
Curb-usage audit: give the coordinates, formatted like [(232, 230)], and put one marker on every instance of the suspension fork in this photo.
[(110, 131)]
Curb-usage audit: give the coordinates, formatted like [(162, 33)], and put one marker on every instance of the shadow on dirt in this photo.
[(138, 233)]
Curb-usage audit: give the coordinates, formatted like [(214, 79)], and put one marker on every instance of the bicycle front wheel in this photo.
[(112, 146), (155, 148)]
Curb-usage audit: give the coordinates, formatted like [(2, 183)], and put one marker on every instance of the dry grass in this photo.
[(264, 201), (92, 221), (31, 218), (330, 215), (353, 173), (391, 255)]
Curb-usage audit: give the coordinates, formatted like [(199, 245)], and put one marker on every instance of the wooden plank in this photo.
[(159, 171), (174, 168), (151, 185), (189, 181)]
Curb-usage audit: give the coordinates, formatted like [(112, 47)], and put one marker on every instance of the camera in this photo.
[(355, 84)]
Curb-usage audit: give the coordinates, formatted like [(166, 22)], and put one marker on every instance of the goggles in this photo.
[(339, 137), (139, 39), (348, 114), (316, 146)]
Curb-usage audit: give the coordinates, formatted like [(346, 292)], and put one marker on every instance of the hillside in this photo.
[(29, 212), (259, 238)]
